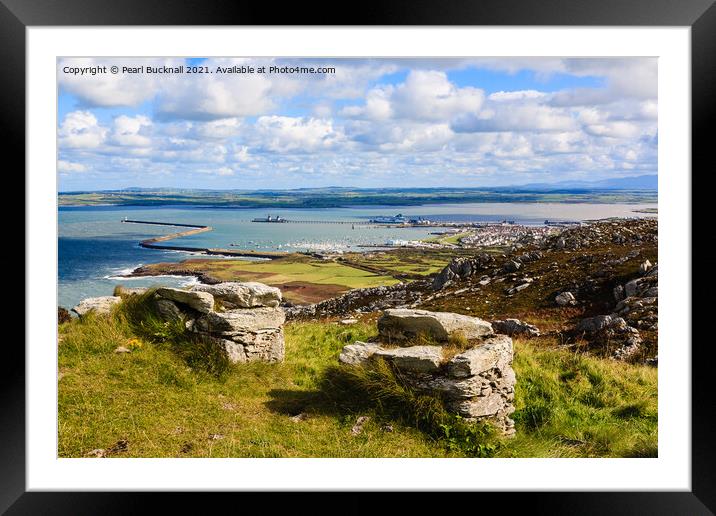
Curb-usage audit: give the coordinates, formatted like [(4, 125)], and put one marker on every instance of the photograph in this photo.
[(357, 257)]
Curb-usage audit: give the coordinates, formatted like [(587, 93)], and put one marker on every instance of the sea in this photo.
[(96, 249)]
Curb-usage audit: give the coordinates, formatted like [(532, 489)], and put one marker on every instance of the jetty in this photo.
[(151, 243)]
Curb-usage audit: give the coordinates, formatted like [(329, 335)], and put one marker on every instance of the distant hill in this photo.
[(645, 182)]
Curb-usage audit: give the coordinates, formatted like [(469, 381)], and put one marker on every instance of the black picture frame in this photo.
[(700, 15)]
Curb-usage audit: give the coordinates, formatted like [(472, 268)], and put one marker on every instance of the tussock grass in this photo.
[(379, 387), (166, 402), (573, 405)]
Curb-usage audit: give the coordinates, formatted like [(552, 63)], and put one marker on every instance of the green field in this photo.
[(165, 402), (302, 279)]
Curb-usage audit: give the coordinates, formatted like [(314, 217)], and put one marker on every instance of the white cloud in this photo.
[(80, 129), (68, 166), (284, 134), (129, 131), (617, 129), (425, 96), (515, 118)]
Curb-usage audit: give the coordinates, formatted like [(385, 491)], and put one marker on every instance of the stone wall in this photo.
[(478, 383)]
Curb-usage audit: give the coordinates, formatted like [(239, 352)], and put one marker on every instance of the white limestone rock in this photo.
[(248, 294), (99, 305), (200, 301), (358, 353), (421, 359), (402, 324), (242, 320), (495, 352)]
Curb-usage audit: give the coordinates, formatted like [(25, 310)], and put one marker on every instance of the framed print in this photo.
[(398, 252)]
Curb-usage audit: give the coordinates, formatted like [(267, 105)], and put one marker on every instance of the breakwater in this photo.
[(151, 243)]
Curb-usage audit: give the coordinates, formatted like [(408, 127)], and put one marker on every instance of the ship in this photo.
[(269, 218), (397, 219)]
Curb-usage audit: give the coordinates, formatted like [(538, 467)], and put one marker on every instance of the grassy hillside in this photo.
[(158, 401)]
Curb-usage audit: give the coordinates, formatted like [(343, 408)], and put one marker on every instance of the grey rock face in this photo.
[(514, 327), (200, 301), (358, 353), (422, 359), (402, 324), (235, 321), (167, 309), (234, 351), (243, 295), (512, 266), (495, 352), (565, 298), (594, 324), (480, 406), (264, 345), (99, 305)]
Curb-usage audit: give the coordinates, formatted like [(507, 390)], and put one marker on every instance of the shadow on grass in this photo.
[(378, 389)]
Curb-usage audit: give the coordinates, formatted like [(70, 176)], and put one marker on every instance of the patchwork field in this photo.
[(302, 279)]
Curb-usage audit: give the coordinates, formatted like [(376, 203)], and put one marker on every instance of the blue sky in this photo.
[(370, 123)]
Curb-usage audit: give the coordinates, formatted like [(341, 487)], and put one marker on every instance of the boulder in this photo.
[(243, 320), (645, 266), (495, 352), (596, 323), (243, 295), (565, 298), (422, 359), (631, 288), (515, 327), (357, 353), (199, 301), (402, 324), (512, 266), (99, 305)]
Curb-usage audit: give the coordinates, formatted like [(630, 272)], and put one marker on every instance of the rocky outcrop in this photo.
[(478, 384), (363, 300), (565, 299), (245, 334), (461, 269), (610, 332), (623, 232), (242, 295), (636, 309), (398, 325), (99, 305), (515, 327), (199, 301)]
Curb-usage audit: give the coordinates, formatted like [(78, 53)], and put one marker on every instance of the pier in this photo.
[(151, 243)]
